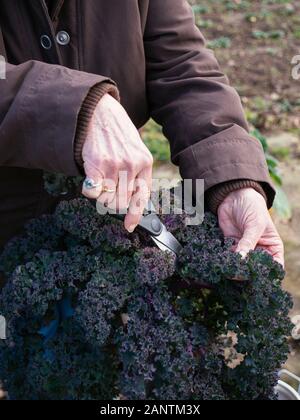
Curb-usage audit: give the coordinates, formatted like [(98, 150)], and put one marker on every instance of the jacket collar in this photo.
[(56, 8)]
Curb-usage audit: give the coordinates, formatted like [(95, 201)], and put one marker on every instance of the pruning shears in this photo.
[(151, 223)]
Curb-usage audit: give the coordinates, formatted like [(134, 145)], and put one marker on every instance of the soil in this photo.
[(262, 38)]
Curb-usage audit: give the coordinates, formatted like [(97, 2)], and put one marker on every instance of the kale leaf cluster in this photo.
[(95, 313)]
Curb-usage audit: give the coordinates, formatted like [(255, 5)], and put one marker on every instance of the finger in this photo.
[(276, 251), (139, 199), (122, 198), (250, 239), (109, 190), (273, 244), (125, 190), (93, 176), (280, 260), (278, 254), (136, 209), (229, 229)]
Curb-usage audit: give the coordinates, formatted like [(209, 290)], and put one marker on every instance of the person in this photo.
[(83, 77)]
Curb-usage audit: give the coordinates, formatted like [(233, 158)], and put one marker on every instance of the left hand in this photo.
[(244, 216)]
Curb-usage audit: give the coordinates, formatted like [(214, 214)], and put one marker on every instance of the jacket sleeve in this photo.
[(190, 97), (39, 109)]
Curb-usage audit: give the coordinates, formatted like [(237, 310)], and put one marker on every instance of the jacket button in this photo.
[(46, 42), (63, 38)]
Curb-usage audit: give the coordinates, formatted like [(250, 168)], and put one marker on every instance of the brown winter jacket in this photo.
[(60, 62)]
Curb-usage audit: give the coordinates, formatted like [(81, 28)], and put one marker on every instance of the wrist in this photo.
[(245, 193), (86, 114), (216, 195)]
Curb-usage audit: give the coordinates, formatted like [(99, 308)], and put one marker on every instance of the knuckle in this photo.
[(106, 199), (149, 161), (246, 243), (131, 165), (109, 163), (127, 164), (146, 162), (134, 168)]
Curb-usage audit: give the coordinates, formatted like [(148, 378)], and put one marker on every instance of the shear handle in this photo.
[(149, 222)]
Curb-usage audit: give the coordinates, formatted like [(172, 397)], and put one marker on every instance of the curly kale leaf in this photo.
[(144, 326)]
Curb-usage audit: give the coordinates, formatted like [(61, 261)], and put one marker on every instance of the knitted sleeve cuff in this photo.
[(87, 110), (216, 195)]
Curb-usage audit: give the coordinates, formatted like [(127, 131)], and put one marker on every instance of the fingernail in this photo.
[(243, 254), (131, 228)]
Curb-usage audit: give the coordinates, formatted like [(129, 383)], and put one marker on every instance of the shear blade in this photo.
[(167, 242)]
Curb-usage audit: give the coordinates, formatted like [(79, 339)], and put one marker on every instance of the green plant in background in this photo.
[(276, 34), (222, 42), (281, 203), (156, 142), (200, 9)]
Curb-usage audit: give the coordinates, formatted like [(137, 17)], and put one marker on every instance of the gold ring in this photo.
[(107, 190)]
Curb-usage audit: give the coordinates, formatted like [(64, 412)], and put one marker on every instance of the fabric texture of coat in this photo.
[(147, 52)]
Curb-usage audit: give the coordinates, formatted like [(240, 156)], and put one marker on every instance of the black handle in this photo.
[(152, 224), (149, 222)]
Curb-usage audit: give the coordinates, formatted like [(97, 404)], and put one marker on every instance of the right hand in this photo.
[(244, 217), (113, 145)]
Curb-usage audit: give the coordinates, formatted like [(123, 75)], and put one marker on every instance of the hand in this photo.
[(113, 146), (244, 216)]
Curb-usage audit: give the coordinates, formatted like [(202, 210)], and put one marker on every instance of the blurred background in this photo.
[(255, 42)]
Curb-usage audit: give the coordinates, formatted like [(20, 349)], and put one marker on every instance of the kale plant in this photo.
[(94, 312)]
